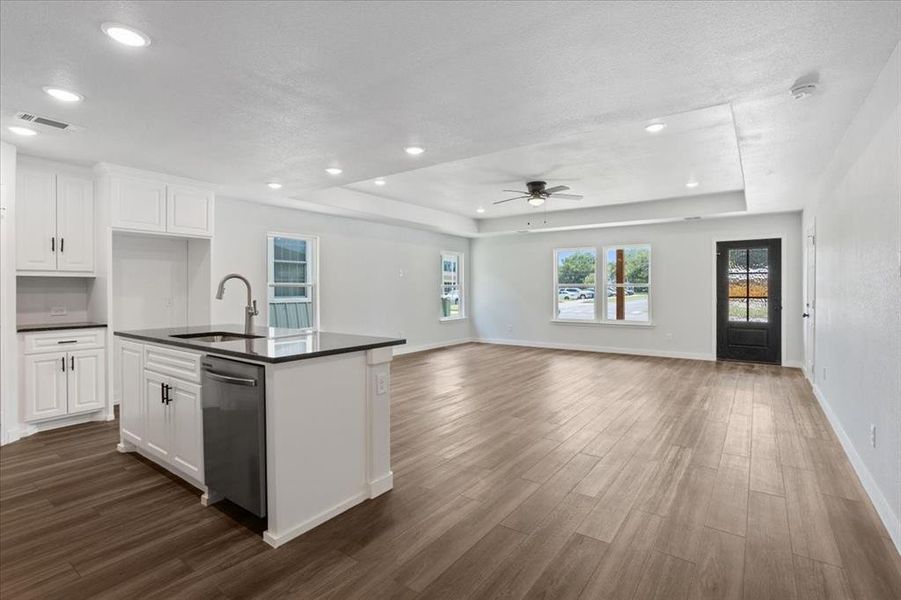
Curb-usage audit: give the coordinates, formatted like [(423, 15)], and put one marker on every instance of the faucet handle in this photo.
[(252, 309)]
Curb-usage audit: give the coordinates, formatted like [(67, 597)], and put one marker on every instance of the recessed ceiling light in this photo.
[(655, 127), (63, 95), (380, 182), (23, 131), (692, 184), (480, 210), (125, 35), (274, 185), (414, 150), (333, 171)]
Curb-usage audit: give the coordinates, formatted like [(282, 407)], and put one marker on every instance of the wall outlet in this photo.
[(381, 383), (668, 337), (400, 272), (509, 328), (58, 311), (873, 435)]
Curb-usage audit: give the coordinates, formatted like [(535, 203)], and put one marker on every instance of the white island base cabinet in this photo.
[(159, 408)]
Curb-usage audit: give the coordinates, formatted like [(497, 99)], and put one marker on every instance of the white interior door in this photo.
[(36, 242), (86, 380), (187, 429), (45, 385), (810, 304), (75, 223)]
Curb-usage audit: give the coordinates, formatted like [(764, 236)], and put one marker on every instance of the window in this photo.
[(292, 279), (452, 295), (575, 274), (624, 274), (748, 284), (628, 294)]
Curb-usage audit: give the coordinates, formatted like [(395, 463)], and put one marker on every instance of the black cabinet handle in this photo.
[(64, 364), (162, 393), (805, 315), (71, 363), (62, 244), (66, 341), (53, 244)]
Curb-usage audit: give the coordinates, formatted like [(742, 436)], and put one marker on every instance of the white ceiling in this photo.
[(240, 93)]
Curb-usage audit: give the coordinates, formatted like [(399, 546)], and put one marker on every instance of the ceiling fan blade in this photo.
[(509, 199), (556, 188), (567, 196), (515, 191)]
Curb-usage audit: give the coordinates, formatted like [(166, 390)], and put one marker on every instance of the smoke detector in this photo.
[(47, 122), (801, 91)]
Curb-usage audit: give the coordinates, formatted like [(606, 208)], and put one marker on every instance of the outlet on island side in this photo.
[(873, 435), (381, 383)]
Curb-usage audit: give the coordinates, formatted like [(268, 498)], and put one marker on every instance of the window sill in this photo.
[(646, 325), (451, 319)]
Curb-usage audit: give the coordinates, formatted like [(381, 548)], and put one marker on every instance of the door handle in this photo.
[(53, 244), (62, 244), (166, 389), (805, 315), (64, 364), (71, 363), (162, 393), (228, 379)]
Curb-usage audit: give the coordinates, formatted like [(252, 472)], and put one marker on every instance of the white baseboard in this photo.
[(277, 539), (381, 485), (607, 349), (883, 508), (408, 349)]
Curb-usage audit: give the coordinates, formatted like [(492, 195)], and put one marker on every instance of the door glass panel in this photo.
[(758, 259), (757, 310), (757, 285), (738, 260), (738, 285), (738, 309)]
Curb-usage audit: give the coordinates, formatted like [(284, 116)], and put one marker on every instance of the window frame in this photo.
[(312, 271), (558, 285), (461, 284), (600, 278)]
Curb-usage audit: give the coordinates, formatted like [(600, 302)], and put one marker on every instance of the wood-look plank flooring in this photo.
[(519, 473)]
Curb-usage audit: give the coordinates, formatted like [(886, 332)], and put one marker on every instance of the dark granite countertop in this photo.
[(58, 326), (275, 346)]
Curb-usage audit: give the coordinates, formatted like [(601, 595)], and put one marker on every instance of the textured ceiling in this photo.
[(238, 93)]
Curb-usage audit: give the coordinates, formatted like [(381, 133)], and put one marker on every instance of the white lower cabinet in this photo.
[(57, 383), (159, 413)]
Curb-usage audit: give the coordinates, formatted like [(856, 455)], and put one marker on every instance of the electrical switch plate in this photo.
[(58, 311)]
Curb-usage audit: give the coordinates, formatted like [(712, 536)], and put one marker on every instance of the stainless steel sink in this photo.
[(215, 336)]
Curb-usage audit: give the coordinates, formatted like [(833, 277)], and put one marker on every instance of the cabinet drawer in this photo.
[(64, 340), (169, 361)]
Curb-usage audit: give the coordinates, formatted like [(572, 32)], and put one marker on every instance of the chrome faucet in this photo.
[(250, 311)]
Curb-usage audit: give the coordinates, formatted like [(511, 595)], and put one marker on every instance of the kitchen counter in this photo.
[(58, 326), (275, 345)]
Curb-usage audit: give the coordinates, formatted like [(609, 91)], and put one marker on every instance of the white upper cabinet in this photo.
[(74, 223), (189, 210), (155, 203), (54, 222), (35, 220), (138, 203)]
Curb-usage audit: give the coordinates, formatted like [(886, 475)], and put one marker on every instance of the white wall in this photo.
[(8, 375), (857, 354), (374, 279), (37, 296), (514, 292)]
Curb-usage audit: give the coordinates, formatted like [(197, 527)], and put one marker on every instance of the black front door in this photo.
[(749, 301)]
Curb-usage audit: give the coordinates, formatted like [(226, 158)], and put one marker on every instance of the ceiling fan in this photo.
[(537, 193)]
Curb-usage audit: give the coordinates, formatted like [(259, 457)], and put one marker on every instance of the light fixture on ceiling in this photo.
[(801, 91), (63, 95), (333, 171), (655, 127), (380, 182), (480, 210), (692, 184), (22, 131), (536, 200), (414, 150), (274, 185), (126, 36)]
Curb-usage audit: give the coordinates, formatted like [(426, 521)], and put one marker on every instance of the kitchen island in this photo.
[(324, 426)]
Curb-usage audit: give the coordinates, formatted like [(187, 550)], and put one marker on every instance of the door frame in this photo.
[(713, 275), (810, 301)]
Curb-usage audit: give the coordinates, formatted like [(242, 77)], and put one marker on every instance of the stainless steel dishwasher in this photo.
[(234, 432)]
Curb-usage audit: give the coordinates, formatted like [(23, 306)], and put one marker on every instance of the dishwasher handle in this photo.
[(229, 379)]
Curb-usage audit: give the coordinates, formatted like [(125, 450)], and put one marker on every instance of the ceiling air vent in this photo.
[(34, 119)]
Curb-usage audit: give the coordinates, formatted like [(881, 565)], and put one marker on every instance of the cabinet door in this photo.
[(87, 380), (138, 203), (190, 210), (187, 429), (36, 241), (45, 385), (74, 223), (157, 427), (131, 401)]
